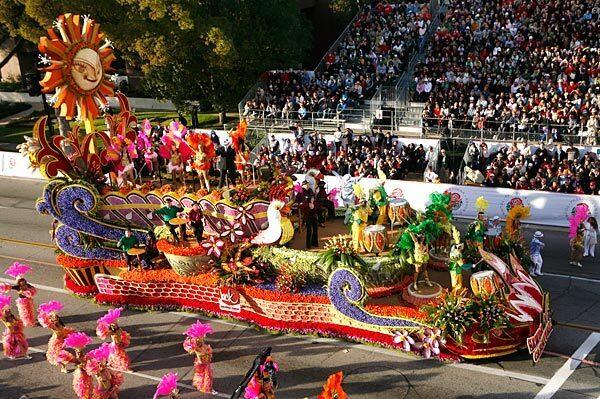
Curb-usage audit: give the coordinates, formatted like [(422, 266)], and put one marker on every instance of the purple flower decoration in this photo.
[(214, 246), (231, 231), (403, 337)]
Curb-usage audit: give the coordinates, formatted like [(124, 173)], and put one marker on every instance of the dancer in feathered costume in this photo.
[(82, 380), (25, 290), (576, 230), (513, 222), (238, 141), (194, 345), (264, 382), (14, 343), (108, 382), (176, 150), (107, 326), (204, 153), (167, 387), (48, 318)]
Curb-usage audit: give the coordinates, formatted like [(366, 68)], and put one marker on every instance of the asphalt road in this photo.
[(569, 369)]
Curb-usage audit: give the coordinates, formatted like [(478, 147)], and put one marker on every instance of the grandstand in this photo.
[(469, 69)]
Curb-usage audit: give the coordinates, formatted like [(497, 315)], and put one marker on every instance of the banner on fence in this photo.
[(547, 208), (14, 164)]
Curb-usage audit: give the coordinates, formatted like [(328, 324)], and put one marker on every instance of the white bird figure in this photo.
[(274, 230)]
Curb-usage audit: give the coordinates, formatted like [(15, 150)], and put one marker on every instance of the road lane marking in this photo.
[(25, 242), (146, 376), (30, 261), (590, 280), (389, 352), (563, 373)]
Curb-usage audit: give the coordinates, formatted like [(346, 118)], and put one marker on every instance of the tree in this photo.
[(208, 51)]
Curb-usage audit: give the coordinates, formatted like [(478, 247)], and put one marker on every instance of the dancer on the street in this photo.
[(48, 318), (14, 343), (194, 344), (167, 387), (25, 291), (108, 381), (108, 327), (82, 380)]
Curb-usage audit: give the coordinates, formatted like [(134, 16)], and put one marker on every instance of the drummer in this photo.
[(166, 213), (127, 242)]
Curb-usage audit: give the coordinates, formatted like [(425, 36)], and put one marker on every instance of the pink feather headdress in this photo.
[(77, 340), (4, 301), (112, 316), (580, 215), (198, 330), (50, 307), (166, 386), (18, 270), (102, 353)]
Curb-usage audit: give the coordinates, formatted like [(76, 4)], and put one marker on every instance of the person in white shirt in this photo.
[(430, 176), (590, 236)]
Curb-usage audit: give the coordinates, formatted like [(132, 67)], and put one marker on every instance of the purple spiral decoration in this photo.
[(74, 205), (347, 294)]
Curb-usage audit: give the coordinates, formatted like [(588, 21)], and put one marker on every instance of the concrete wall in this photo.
[(137, 103)]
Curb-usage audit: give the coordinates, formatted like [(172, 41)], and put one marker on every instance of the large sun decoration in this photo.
[(79, 58)]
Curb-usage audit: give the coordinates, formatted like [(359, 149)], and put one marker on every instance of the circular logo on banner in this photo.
[(513, 202), (397, 193), (456, 199), (12, 162)]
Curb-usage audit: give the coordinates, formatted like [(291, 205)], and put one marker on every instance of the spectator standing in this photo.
[(535, 250), (590, 236)]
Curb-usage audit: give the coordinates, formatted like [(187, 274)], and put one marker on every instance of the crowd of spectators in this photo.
[(514, 66), (376, 49), (356, 155), (558, 169)]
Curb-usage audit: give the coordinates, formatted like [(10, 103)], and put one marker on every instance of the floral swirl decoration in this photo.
[(80, 234), (347, 294)]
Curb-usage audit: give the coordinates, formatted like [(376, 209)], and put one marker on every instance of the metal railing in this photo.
[(336, 44), (583, 138)]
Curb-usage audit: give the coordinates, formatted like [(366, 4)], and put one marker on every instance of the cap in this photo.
[(538, 234)]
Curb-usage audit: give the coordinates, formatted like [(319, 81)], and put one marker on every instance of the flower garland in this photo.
[(176, 249), (71, 262), (169, 276)]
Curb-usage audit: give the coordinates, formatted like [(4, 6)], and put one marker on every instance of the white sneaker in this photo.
[(579, 264), (540, 274)]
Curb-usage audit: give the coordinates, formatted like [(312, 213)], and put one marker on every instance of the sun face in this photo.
[(79, 66)]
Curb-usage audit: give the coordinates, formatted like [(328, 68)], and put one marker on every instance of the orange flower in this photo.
[(168, 276), (71, 262), (333, 388), (176, 249), (166, 188)]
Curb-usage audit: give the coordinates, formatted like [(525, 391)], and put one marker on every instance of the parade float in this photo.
[(250, 264)]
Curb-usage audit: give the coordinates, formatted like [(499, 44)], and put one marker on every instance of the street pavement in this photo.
[(569, 369)]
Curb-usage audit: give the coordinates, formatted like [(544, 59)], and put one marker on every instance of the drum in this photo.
[(375, 238), (398, 211), (484, 283), (136, 251), (177, 221)]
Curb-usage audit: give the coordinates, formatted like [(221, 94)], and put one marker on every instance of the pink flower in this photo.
[(244, 214), (430, 342), (403, 337), (213, 246), (231, 231)]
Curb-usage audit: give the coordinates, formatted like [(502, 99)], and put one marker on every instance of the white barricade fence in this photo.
[(547, 208), (13, 164)]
